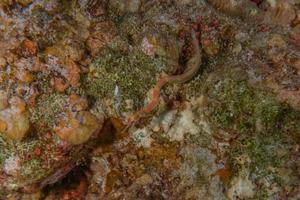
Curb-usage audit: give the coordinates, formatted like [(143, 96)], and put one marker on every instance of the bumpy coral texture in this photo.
[(157, 99)]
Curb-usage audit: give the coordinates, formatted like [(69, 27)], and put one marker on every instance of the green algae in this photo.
[(3, 151), (48, 109), (239, 107), (267, 129), (33, 170), (130, 27), (134, 73)]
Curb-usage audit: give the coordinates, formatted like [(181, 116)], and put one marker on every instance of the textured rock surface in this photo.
[(73, 73)]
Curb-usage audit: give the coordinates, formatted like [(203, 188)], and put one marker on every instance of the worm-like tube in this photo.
[(193, 66)]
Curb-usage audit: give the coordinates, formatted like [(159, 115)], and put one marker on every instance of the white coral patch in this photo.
[(241, 188), (168, 120), (272, 3), (164, 121), (12, 165), (184, 124), (147, 47), (142, 137)]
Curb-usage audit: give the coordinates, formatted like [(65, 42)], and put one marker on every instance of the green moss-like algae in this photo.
[(48, 108), (267, 129), (133, 72)]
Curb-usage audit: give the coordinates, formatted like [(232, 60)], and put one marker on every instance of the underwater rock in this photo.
[(77, 128), (160, 99), (78, 125), (3, 100), (142, 138), (24, 2), (241, 188), (183, 124), (14, 120), (97, 8), (123, 7), (101, 35), (281, 11), (242, 8), (12, 165)]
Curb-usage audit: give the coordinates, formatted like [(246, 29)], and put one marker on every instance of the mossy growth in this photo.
[(32, 170), (265, 153), (130, 27), (4, 151), (290, 123), (133, 73), (48, 109), (238, 107), (267, 129), (54, 33)]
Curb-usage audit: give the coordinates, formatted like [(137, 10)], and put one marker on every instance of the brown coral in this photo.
[(72, 73), (14, 120), (282, 12), (101, 34), (97, 8), (28, 48), (77, 127), (60, 84), (240, 8)]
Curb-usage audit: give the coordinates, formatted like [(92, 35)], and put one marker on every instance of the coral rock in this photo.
[(77, 128), (28, 48), (3, 100), (96, 8), (73, 73), (282, 12), (14, 121), (101, 34), (24, 2)]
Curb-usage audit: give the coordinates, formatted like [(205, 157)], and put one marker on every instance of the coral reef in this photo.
[(157, 99)]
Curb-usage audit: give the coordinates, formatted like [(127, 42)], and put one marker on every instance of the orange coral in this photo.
[(60, 84), (73, 73), (28, 47), (77, 128), (14, 120)]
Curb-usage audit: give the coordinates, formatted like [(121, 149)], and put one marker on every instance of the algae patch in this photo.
[(48, 108), (133, 73), (265, 129), (238, 107)]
